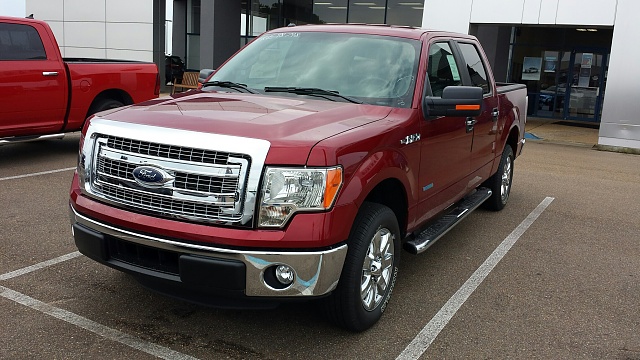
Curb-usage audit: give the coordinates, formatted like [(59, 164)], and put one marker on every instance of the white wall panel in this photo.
[(84, 34), (132, 36), (548, 11), (130, 55), (531, 11), (492, 11), (84, 10), (587, 12), (447, 15), (75, 52), (130, 11), (58, 30), (620, 124), (46, 9)]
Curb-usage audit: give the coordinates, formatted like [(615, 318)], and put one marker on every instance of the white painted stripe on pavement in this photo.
[(39, 266), (36, 174), (90, 325), (428, 334)]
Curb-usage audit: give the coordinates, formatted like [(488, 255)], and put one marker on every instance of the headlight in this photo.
[(286, 191)]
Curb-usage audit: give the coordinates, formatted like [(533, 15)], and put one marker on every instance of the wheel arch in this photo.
[(391, 193), (109, 94)]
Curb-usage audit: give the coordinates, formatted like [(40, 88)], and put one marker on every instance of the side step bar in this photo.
[(446, 222), (19, 139)]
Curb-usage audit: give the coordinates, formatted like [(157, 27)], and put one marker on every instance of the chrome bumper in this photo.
[(317, 272)]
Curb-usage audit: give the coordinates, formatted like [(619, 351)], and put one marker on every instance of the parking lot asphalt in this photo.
[(568, 287)]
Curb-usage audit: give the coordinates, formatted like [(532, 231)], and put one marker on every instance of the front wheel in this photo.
[(500, 182), (370, 269)]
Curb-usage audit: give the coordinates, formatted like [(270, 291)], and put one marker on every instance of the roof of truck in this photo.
[(373, 29)]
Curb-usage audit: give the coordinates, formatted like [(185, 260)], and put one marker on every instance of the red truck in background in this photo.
[(301, 168), (44, 95)]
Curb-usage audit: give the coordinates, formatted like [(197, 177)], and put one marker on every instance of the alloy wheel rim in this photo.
[(506, 180), (377, 269)]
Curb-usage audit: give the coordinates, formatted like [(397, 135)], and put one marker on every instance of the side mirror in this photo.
[(455, 101), (204, 75)]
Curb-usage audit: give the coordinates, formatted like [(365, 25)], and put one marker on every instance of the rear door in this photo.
[(445, 141), (485, 128), (32, 82)]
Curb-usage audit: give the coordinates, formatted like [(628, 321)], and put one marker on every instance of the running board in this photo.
[(19, 139), (446, 222)]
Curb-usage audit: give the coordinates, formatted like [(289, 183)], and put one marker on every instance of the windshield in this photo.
[(377, 70)]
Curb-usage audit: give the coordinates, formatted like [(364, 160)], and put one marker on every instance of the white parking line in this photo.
[(36, 174), (39, 266), (67, 316), (90, 325), (428, 334)]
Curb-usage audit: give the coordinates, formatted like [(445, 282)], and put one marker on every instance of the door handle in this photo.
[(470, 123), (49, 73), (495, 113)]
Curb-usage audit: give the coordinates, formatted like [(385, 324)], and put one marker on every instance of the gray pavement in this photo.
[(568, 288)]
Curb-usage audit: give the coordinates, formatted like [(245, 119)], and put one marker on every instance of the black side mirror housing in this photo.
[(455, 101), (204, 75)]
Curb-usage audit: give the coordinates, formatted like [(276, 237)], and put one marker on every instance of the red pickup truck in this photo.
[(44, 95), (301, 168)]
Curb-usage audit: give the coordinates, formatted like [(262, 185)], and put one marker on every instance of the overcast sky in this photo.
[(13, 8)]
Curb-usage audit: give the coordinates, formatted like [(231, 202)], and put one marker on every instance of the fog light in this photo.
[(284, 274)]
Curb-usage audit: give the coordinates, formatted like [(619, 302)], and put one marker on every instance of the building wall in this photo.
[(110, 29), (620, 123)]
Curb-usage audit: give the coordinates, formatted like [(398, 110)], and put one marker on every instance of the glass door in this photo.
[(584, 85)]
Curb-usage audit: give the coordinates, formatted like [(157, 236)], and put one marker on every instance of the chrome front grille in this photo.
[(202, 185), (169, 151)]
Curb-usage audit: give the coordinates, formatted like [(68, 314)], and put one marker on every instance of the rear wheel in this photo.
[(370, 269), (104, 104), (500, 182)]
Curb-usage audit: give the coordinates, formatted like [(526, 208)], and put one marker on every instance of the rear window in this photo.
[(20, 42)]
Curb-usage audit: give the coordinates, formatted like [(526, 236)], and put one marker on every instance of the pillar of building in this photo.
[(620, 124), (159, 16), (179, 35), (219, 31)]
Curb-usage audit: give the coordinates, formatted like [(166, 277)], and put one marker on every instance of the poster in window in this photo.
[(550, 64), (531, 68), (587, 60)]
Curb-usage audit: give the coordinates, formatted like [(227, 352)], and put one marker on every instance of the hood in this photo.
[(292, 125)]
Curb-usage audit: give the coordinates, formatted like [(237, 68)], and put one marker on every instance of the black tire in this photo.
[(347, 307), (104, 104), (500, 182)]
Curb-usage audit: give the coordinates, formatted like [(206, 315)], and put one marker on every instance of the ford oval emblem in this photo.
[(151, 176)]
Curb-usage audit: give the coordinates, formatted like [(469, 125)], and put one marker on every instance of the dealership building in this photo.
[(577, 58)]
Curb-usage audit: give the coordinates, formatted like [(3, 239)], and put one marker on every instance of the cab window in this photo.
[(442, 69), (20, 42), (475, 67)]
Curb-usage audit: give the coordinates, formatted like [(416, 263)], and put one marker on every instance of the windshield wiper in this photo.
[(230, 85), (311, 91)]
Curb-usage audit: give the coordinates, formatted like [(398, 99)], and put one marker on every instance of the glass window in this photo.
[(375, 69), (330, 11), (367, 11), (475, 67), (20, 42), (403, 12), (442, 69)]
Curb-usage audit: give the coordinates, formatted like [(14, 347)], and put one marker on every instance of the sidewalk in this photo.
[(562, 131)]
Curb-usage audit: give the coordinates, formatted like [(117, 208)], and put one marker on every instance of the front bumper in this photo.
[(210, 269)]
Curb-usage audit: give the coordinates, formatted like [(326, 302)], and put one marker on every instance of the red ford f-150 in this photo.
[(44, 95), (301, 168)]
